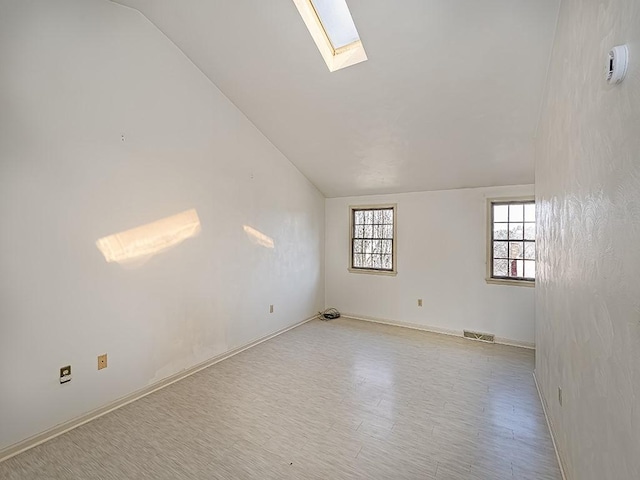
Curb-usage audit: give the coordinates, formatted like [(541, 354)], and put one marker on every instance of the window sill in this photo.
[(515, 283), (373, 272)]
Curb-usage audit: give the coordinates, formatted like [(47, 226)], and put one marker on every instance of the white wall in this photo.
[(75, 76), (441, 258), (588, 293)]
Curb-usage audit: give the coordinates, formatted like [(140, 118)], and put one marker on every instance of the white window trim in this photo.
[(488, 278), (367, 271)]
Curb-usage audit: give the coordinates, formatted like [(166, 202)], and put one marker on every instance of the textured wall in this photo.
[(441, 254), (75, 76), (588, 289)]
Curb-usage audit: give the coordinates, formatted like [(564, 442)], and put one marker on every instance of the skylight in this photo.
[(332, 28), (337, 22)]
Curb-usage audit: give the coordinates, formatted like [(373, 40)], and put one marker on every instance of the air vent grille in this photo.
[(483, 337)]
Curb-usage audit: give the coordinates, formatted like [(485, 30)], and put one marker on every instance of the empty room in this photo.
[(320, 239)]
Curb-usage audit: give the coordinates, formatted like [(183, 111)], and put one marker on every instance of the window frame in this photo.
[(335, 58), (520, 282), (394, 244)]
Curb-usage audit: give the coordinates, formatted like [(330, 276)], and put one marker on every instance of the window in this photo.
[(373, 237), (332, 28), (512, 241), (337, 22)]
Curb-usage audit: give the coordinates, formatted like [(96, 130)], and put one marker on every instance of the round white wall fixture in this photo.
[(617, 64)]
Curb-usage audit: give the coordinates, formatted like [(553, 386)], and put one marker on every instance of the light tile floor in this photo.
[(328, 400)]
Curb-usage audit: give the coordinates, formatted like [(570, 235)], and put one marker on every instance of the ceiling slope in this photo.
[(449, 97)]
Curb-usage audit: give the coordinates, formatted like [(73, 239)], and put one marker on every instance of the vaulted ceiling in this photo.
[(449, 96)]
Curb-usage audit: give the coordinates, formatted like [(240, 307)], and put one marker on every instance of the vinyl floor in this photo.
[(343, 399)]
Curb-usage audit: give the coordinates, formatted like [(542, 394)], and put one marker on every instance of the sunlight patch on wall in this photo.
[(143, 242), (258, 237)]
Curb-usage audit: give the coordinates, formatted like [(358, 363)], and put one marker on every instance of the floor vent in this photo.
[(483, 337)]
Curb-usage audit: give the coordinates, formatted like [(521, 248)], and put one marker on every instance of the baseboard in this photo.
[(515, 343), (553, 437), (442, 331), (42, 437)]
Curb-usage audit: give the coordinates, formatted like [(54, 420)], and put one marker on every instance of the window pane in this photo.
[(529, 231), (529, 269), (517, 268), (530, 251), (530, 212), (389, 216), (516, 213), (372, 244), (516, 231), (500, 213), (500, 268), (500, 231), (337, 21), (516, 250), (500, 249), (513, 223)]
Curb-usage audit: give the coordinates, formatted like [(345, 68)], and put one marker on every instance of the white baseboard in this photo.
[(553, 437), (42, 437), (515, 343), (442, 331)]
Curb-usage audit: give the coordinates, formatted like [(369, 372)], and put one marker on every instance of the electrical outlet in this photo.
[(419, 302), (560, 395), (102, 361), (270, 308), (65, 374)]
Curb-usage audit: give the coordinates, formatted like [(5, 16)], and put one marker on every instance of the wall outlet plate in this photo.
[(270, 308), (419, 302), (65, 374), (102, 361)]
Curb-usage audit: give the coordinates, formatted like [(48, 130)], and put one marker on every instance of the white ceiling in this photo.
[(449, 97)]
